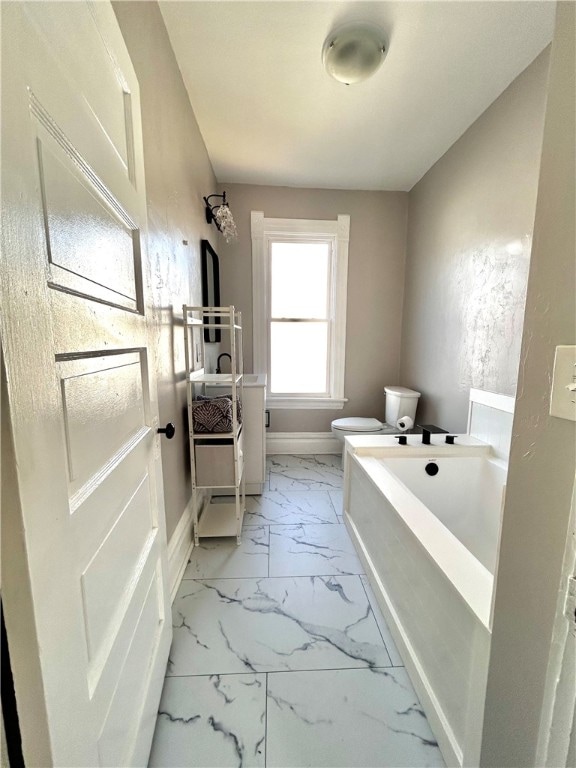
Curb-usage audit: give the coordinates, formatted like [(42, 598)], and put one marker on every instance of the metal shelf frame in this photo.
[(223, 449)]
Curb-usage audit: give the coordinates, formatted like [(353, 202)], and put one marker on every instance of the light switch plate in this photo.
[(563, 396)]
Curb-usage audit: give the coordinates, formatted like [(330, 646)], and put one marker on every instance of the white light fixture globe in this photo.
[(353, 52)]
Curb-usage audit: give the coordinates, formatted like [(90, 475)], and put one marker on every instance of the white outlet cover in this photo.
[(563, 396)]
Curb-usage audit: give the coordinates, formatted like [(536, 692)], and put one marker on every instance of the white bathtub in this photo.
[(466, 496), (429, 544)]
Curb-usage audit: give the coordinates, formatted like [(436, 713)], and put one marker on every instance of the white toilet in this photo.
[(401, 402)]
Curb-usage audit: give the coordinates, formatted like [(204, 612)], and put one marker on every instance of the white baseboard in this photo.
[(254, 489), (179, 548), (302, 442)]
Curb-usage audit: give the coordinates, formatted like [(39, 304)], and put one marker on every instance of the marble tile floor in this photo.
[(281, 656)]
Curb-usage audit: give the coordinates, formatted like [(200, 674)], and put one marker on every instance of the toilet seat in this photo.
[(357, 424)]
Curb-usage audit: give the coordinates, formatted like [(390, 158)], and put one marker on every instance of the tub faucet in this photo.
[(430, 429), (224, 354)]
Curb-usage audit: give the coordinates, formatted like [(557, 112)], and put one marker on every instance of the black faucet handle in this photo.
[(450, 439), (402, 439)]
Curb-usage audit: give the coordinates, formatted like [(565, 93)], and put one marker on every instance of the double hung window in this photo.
[(299, 304)]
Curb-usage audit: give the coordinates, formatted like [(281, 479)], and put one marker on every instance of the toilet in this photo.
[(400, 402)]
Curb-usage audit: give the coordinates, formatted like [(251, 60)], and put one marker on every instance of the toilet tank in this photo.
[(400, 401)]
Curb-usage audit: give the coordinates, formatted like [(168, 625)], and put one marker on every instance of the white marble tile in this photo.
[(350, 718), (289, 508), (321, 460), (337, 499), (382, 625), (260, 625), (216, 721), (312, 550), (304, 473), (224, 559)]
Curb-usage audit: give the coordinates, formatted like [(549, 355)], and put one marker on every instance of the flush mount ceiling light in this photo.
[(353, 52)]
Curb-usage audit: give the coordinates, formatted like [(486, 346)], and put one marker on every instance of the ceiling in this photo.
[(269, 113)]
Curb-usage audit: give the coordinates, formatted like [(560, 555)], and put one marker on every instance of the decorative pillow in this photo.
[(214, 414), (238, 403)]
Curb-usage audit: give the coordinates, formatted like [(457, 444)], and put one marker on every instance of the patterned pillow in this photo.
[(213, 414), (238, 403)]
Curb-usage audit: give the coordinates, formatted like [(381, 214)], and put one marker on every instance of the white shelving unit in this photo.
[(216, 458), (253, 430)]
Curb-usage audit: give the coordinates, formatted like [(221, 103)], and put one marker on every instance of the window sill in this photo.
[(303, 403)]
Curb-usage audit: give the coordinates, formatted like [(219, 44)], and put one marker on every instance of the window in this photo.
[(299, 273)]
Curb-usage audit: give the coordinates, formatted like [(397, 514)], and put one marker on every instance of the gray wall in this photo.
[(375, 287), (542, 460), (465, 292), (178, 174)]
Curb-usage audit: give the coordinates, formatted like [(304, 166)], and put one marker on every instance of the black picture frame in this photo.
[(210, 290)]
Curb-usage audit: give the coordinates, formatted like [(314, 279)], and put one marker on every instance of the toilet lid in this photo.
[(356, 424), (402, 391)]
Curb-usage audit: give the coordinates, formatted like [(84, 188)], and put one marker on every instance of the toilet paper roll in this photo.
[(404, 423)]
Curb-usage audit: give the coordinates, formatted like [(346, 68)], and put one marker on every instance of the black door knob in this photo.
[(169, 430)]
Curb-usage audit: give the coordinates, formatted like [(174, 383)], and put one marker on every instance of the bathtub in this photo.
[(465, 495), (429, 545)]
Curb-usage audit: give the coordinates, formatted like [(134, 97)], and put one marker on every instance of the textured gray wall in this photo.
[(375, 287), (470, 223), (178, 174), (543, 455)]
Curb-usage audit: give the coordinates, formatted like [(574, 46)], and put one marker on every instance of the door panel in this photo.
[(107, 259), (97, 510), (102, 409), (102, 96), (76, 331), (108, 575), (125, 709), (105, 674), (102, 87), (105, 205), (71, 125)]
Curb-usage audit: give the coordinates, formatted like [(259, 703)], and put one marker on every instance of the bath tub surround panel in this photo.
[(490, 418), (434, 592)]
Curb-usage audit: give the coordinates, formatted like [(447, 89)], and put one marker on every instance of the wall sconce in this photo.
[(221, 215)]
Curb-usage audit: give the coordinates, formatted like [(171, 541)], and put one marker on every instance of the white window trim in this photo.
[(263, 228)]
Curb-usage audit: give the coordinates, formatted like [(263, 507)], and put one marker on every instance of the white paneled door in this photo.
[(84, 553)]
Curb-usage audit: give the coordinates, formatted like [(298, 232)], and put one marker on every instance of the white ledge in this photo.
[(301, 403)]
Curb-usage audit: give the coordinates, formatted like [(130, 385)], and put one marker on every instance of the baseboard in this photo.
[(302, 442), (254, 489), (179, 548)]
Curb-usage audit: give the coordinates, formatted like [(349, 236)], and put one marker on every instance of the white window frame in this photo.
[(264, 231)]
